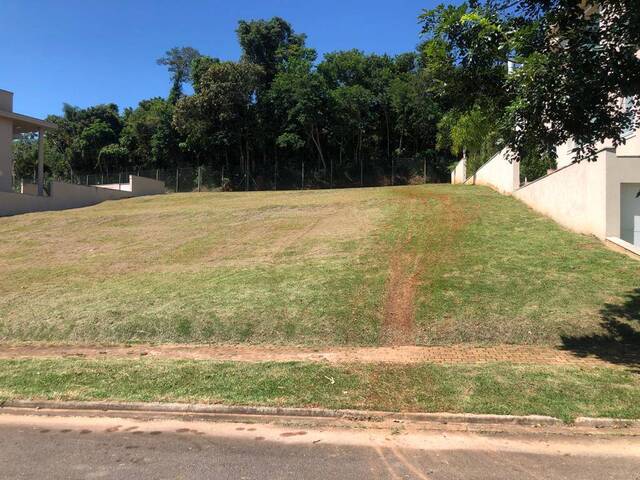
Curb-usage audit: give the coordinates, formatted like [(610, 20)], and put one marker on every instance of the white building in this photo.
[(11, 125), (600, 198), (60, 196)]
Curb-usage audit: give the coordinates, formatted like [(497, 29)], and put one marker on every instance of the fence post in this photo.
[(424, 170), (222, 178), (199, 180), (177, 178), (157, 175), (331, 172), (87, 180), (302, 175), (393, 171)]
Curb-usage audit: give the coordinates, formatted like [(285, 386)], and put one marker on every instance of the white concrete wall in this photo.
[(631, 148), (116, 186), (574, 196), (497, 173), (459, 174), (66, 195), (146, 186)]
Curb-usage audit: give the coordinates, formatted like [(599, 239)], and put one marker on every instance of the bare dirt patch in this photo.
[(407, 267), (399, 306), (444, 355)]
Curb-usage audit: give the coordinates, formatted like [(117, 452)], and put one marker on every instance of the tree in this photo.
[(577, 59), (220, 113), (472, 133), (354, 107), (273, 110), (149, 136), (300, 95), (82, 133), (25, 157), (178, 61), (265, 43)]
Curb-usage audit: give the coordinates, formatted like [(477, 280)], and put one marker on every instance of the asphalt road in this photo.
[(40, 447)]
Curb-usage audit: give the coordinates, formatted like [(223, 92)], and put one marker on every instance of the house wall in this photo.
[(630, 213), (575, 196), (6, 138), (620, 172), (498, 173), (631, 148), (459, 174), (66, 195)]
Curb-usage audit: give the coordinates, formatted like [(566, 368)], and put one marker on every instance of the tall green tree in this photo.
[(178, 61)]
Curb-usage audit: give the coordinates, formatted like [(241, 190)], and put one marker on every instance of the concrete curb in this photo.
[(357, 415), (606, 422)]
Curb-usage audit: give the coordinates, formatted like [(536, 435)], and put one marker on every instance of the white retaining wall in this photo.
[(66, 195), (498, 173), (595, 198), (573, 196), (459, 174)]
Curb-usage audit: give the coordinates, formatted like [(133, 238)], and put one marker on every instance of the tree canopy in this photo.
[(524, 74)]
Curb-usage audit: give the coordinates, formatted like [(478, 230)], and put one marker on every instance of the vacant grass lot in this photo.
[(430, 265)]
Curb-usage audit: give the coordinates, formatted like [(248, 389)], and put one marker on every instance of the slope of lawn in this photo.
[(464, 264)]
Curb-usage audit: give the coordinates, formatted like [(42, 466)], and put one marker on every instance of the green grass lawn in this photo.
[(564, 392), (308, 268)]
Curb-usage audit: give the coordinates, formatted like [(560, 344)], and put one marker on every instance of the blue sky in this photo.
[(85, 52)]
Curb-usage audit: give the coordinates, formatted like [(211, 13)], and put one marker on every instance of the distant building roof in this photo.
[(25, 124)]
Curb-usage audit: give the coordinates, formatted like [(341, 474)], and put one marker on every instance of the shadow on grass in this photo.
[(620, 342)]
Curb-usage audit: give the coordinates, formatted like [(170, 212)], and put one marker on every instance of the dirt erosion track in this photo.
[(445, 355), (407, 268)]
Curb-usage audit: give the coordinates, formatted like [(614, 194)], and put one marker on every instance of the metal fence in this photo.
[(205, 179)]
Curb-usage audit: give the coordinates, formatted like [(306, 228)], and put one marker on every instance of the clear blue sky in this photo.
[(85, 52)]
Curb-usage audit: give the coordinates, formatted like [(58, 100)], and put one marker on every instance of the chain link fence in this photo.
[(401, 171)]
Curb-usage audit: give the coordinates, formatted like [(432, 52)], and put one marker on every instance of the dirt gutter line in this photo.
[(113, 408)]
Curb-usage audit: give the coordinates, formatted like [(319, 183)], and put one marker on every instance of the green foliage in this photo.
[(576, 60), (178, 61), (83, 133), (25, 158), (472, 133), (264, 42), (219, 114), (149, 136), (350, 115)]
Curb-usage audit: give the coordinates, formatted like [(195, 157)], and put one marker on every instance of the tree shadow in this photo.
[(620, 342)]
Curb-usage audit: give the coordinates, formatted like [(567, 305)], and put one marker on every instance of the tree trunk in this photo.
[(316, 141)]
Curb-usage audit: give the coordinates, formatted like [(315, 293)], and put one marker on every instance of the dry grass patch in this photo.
[(454, 265)]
